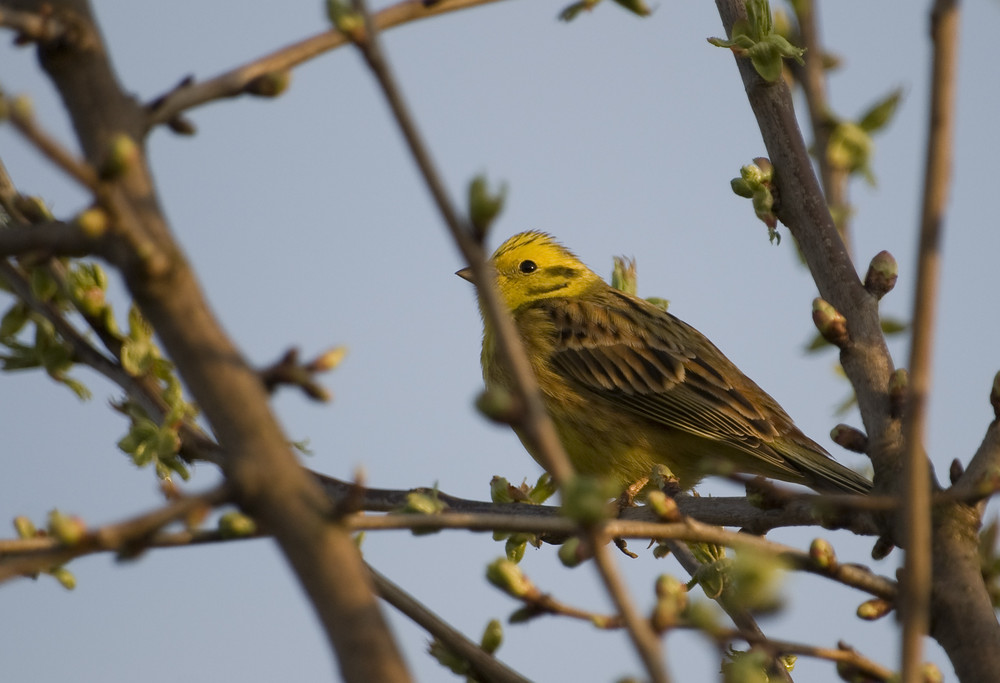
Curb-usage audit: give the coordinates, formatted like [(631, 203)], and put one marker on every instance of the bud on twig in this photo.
[(955, 471), (270, 84), (822, 554), (830, 323), (873, 609), (509, 578), (123, 155), (664, 506), (883, 546), (882, 274), (898, 388), (850, 438)]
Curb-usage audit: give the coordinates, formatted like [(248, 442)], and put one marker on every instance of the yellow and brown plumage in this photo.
[(629, 385)]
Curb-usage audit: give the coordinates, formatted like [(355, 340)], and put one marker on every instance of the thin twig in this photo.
[(744, 621), (916, 585), (486, 667), (535, 424), (841, 655), (641, 632), (132, 535), (75, 168), (813, 81), (189, 95), (33, 26), (854, 576), (55, 238)]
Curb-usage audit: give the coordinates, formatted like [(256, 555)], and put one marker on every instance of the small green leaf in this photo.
[(484, 204), (638, 7), (43, 285), (570, 12), (880, 113), (623, 277), (893, 325), (492, 637), (14, 320)]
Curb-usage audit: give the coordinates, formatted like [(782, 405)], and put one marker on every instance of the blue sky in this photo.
[(309, 226)]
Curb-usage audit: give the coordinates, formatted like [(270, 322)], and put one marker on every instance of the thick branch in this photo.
[(803, 208), (485, 666), (258, 462)]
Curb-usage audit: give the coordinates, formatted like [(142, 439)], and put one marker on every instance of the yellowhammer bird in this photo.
[(628, 385)]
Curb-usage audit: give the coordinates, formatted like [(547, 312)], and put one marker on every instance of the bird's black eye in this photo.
[(527, 267)]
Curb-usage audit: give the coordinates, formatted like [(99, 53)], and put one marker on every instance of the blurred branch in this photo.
[(916, 587), (742, 618), (535, 423), (190, 94), (130, 537), (265, 476), (50, 239), (803, 208), (812, 77), (33, 26), (845, 655), (24, 121), (546, 520), (486, 667)]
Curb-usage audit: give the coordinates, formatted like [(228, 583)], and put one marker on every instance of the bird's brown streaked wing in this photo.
[(656, 366)]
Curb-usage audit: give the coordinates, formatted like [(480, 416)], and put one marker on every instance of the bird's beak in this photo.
[(465, 274)]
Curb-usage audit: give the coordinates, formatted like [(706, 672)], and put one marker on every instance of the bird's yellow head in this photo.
[(531, 266)]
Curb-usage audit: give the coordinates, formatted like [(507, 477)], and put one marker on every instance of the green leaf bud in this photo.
[(508, 577), (664, 506), (67, 529), (271, 84), (25, 527), (741, 187), (623, 276), (484, 205), (64, 577), (822, 554), (515, 547), (122, 155), (235, 524), (585, 499), (883, 272), (573, 552), (492, 636), (830, 323), (873, 609)]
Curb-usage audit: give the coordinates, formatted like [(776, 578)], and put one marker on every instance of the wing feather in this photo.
[(656, 366)]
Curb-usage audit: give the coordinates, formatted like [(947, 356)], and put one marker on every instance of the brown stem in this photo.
[(192, 94), (916, 518), (267, 480), (813, 81)]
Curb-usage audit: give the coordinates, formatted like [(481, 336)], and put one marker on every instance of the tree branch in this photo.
[(803, 208), (916, 584), (813, 81), (131, 536), (486, 667), (266, 478), (190, 94)]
